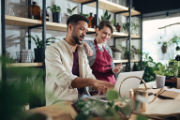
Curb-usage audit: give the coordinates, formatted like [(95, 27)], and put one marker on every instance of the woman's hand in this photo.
[(117, 68), (88, 49)]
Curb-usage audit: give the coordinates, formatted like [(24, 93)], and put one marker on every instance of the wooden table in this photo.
[(62, 111)]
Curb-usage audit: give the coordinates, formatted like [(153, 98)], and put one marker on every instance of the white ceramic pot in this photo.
[(117, 55), (160, 81), (178, 83)]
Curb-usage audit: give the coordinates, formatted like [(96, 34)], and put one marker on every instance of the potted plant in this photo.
[(161, 75), (70, 11), (56, 13), (164, 46), (39, 44), (117, 53), (174, 65)]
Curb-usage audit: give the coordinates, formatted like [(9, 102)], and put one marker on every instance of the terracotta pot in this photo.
[(164, 49)]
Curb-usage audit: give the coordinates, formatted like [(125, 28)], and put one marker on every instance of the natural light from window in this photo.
[(152, 35)]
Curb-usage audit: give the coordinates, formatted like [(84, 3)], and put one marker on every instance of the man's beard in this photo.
[(76, 38)]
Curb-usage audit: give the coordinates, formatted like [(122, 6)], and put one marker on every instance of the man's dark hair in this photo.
[(105, 23), (74, 19)]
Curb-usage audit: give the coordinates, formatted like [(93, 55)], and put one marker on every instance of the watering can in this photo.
[(139, 91)]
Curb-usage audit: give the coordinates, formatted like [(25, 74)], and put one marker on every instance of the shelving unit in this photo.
[(31, 24)]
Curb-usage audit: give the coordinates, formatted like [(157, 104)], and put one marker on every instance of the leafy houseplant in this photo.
[(56, 12), (174, 65), (126, 52), (149, 66), (39, 43), (163, 71), (106, 16), (70, 11), (133, 27), (164, 46)]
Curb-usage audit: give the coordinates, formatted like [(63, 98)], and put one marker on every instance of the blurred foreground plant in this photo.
[(16, 88), (89, 109)]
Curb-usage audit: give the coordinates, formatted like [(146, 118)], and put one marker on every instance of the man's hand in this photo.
[(102, 86), (117, 68), (88, 49)]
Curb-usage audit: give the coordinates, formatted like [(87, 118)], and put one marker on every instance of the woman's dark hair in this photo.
[(106, 23), (74, 19)]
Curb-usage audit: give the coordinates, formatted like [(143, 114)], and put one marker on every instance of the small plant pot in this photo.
[(160, 81), (117, 55), (57, 17), (38, 55), (164, 49)]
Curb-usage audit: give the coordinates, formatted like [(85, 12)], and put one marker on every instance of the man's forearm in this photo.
[(81, 82)]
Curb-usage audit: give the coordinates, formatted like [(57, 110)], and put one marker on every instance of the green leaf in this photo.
[(106, 13), (116, 107), (112, 94), (162, 68), (69, 11), (109, 17), (141, 117), (74, 8)]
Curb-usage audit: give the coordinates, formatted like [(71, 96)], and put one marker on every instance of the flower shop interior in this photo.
[(144, 47)]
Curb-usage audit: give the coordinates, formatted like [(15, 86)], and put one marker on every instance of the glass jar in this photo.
[(118, 27), (34, 11), (90, 20)]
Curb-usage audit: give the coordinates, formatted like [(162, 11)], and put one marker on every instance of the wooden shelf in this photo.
[(24, 65), (26, 22), (110, 6), (124, 61), (119, 34), (19, 21)]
